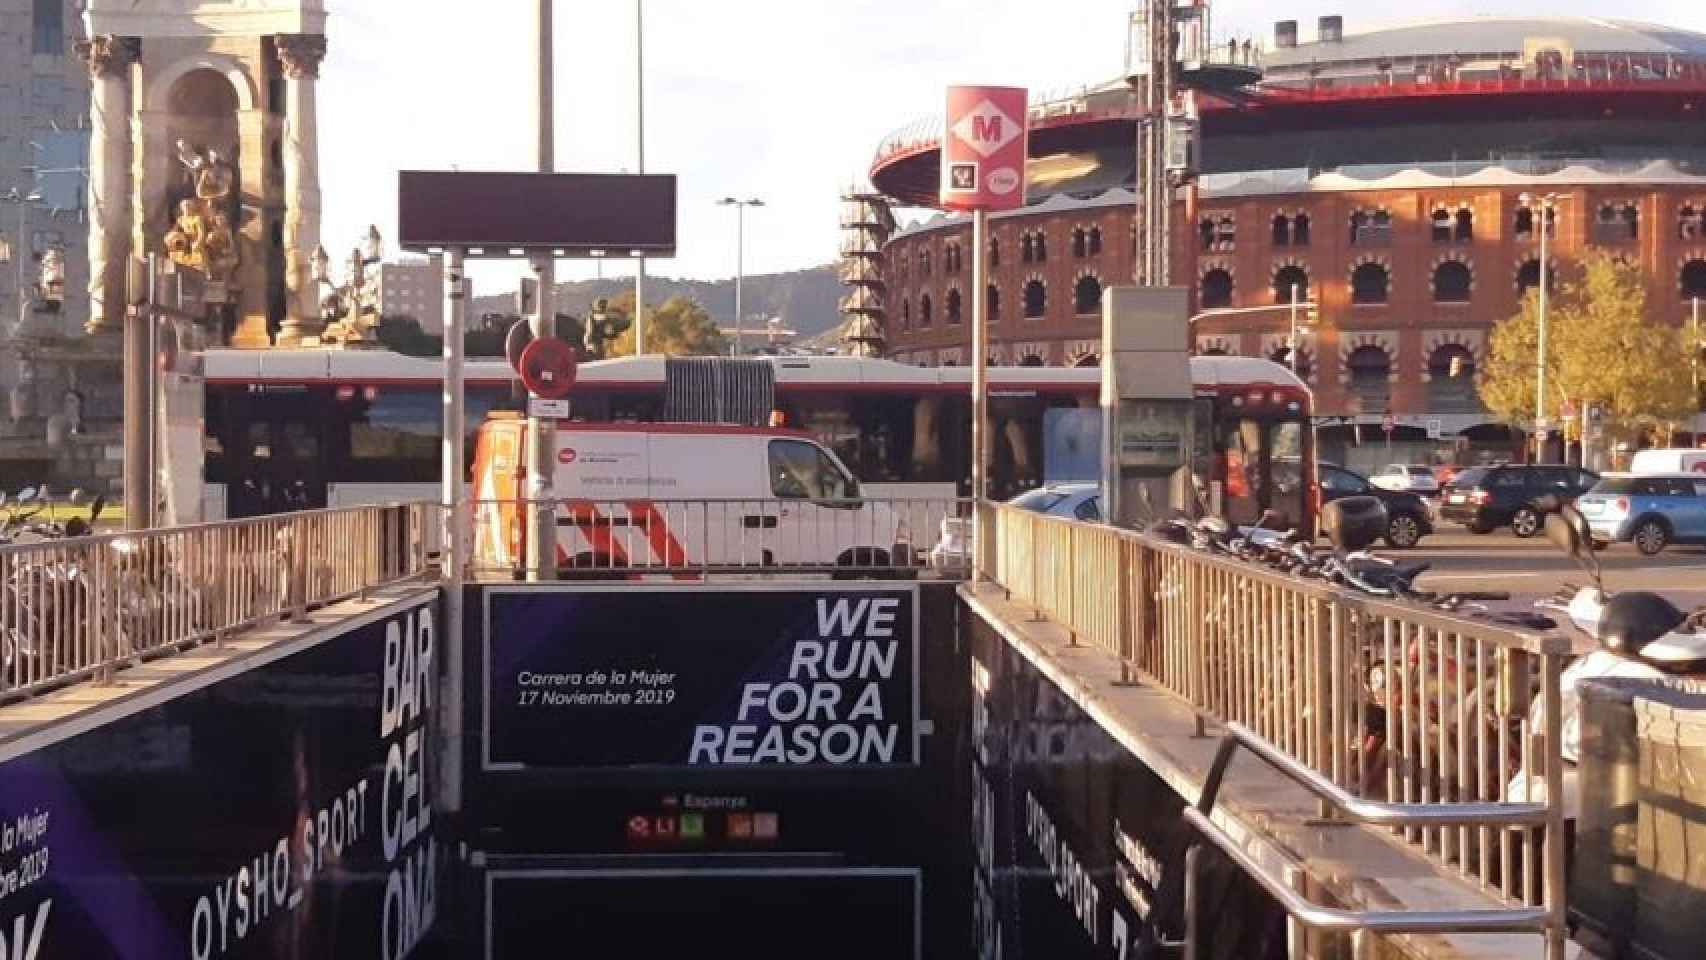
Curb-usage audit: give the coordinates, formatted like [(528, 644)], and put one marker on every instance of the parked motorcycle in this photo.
[(1639, 635)]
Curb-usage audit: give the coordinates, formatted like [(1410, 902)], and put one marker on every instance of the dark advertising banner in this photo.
[(1078, 847), (672, 677), (766, 914), (695, 730), (281, 811)]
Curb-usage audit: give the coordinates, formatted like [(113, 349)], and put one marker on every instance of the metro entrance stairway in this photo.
[(1242, 691)]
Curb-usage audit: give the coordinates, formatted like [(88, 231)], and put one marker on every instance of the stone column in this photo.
[(300, 55), (109, 60)]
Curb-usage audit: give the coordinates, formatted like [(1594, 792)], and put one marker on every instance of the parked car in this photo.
[(1408, 518), (1514, 495), (1651, 512), (1408, 477), (1074, 501), (1673, 460)]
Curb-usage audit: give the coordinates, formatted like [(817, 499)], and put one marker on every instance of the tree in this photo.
[(1602, 346), (677, 327)]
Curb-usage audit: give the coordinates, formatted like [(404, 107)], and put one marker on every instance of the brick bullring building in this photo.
[(1383, 174)]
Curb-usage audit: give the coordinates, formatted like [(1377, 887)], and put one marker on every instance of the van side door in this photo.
[(821, 517)]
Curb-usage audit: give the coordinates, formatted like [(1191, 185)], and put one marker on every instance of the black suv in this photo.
[(1520, 495), (1408, 519)]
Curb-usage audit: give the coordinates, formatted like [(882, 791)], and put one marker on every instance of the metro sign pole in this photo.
[(984, 149)]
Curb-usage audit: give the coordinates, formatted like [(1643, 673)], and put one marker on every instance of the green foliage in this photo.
[(677, 327), (1603, 346)]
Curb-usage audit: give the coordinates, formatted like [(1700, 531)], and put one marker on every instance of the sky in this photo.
[(780, 100)]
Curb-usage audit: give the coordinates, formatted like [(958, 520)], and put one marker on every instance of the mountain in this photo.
[(806, 300)]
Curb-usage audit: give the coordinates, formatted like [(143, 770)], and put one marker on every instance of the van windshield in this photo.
[(802, 471)]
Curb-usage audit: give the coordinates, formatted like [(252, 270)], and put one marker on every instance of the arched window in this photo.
[(1205, 230), (906, 315), (1095, 241), (994, 252), (1616, 223), (1027, 253), (1088, 360), (1465, 231), (924, 263), (1371, 374), (1216, 288), (1041, 247), (1226, 233), (1036, 299), (924, 312), (1300, 230), (1523, 226), (953, 307), (1282, 356), (1441, 220), (1690, 223), (1080, 243), (1694, 279), (951, 258), (1452, 282), (1282, 230), (994, 305), (1451, 381), (1528, 277), (1369, 283), (1087, 295), (1287, 277), (1215, 351), (1031, 360)]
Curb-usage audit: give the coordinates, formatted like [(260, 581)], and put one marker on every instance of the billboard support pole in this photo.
[(453, 519), (541, 431), (139, 394), (979, 383)]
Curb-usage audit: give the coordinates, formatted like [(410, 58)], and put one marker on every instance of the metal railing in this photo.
[(692, 538), (1387, 702), (77, 609)]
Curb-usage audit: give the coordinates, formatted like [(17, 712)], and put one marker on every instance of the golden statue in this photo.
[(201, 237)]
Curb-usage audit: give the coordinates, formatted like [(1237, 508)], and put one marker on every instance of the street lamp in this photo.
[(23, 202), (740, 254), (1298, 329), (1547, 204)]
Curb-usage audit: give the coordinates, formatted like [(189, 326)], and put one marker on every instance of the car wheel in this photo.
[(1403, 531), (1480, 528), (1651, 537), (1526, 522)]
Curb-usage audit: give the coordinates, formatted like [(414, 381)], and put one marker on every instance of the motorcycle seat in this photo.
[(1381, 572)]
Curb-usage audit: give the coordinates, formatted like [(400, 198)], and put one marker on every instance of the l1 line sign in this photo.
[(984, 145)]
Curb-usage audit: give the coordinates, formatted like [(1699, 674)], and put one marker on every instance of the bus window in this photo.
[(1289, 491), (393, 436)]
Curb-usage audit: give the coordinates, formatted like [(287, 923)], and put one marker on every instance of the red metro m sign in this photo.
[(984, 145)]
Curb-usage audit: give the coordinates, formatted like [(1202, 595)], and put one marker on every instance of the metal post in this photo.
[(979, 378), (1540, 383), (18, 258), (1291, 343), (541, 432), (1553, 889), (453, 520), (139, 395), (1694, 346), (740, 269), (640, 128)]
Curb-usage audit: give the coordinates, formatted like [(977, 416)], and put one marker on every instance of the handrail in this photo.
[(1405, 717), (80, 608), (1360, 810), (1334, 919)]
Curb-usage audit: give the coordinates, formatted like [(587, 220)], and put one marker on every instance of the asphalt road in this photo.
[(1500, 561)]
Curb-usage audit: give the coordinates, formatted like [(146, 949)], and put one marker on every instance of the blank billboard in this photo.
[(572, 214)]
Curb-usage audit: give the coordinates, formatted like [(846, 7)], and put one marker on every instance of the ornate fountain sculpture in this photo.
[(201, 236), (351, 309)]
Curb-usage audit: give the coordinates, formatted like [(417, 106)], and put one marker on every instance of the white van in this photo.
[(682, 497), (1674, 460)]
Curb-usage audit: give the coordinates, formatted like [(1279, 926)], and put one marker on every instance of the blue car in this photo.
[(1652, 511)]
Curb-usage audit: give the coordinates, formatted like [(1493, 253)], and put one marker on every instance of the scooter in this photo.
[(1639, 635)]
